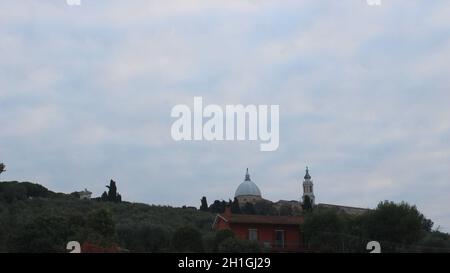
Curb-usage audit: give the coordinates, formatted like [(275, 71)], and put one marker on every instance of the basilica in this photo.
[(277, 231), (248, 192)]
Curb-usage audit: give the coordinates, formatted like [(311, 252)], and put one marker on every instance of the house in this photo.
[(85, 194), (273, 233)]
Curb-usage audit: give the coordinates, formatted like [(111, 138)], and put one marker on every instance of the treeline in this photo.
[(397, 227), (34, 219), (11, 191), (258, 208), (47, 225), (15, 191)]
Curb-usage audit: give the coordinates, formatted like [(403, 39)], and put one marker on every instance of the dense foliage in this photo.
[(397, 227), (34, 219), (262, 207)]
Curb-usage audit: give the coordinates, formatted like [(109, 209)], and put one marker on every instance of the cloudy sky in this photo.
[(86, 94)]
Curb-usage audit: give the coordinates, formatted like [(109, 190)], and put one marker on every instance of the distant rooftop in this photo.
[(263, 219)]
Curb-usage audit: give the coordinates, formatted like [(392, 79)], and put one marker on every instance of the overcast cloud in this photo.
[(86, 94)]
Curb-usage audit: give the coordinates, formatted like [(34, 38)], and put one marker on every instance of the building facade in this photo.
[(272, 233), (86, 195), (249, 192)]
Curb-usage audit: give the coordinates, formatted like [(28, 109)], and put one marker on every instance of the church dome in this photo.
[(247, 188)]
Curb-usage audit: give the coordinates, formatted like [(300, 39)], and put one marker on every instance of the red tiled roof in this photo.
[(264, 219)]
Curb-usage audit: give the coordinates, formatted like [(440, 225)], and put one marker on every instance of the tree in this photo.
[(36, 190), (112, 191), (236, 245), (235, 207), (2, 168), (12, 191), (265, 208), (204, 204), (187, 239), (323, 230), (221, 236), (396, 224), (44, 234), (307, 205), (143, 237), (286, 210), (435, 241), (248, 208), (112, 195), (218, 206), (101, 221), (427, 224), (101, 227), (104, 196)]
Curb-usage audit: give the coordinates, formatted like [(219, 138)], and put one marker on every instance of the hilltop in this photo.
[(31, 213), (36, 219)]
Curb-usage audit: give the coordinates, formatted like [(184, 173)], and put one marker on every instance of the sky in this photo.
[(86, 94)]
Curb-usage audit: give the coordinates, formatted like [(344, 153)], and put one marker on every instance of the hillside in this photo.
[(35, 219)]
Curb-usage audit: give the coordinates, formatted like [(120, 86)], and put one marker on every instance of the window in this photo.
[(279, 238), (253, 234)]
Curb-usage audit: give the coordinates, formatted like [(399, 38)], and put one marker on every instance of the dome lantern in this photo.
[(247, 188)]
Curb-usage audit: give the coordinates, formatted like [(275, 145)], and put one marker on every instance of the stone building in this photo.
[(249, 192)]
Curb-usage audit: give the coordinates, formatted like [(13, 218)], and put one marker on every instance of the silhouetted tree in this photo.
[(2, 168), (265, 208), (235, 207), (307, 205), (248, 208), (104, 196), (223, 205), (427, 224), (112, 194), (112, 190), (204, 205), (216, 207)]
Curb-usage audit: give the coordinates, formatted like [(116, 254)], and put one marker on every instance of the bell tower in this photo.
[(308, 188)]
